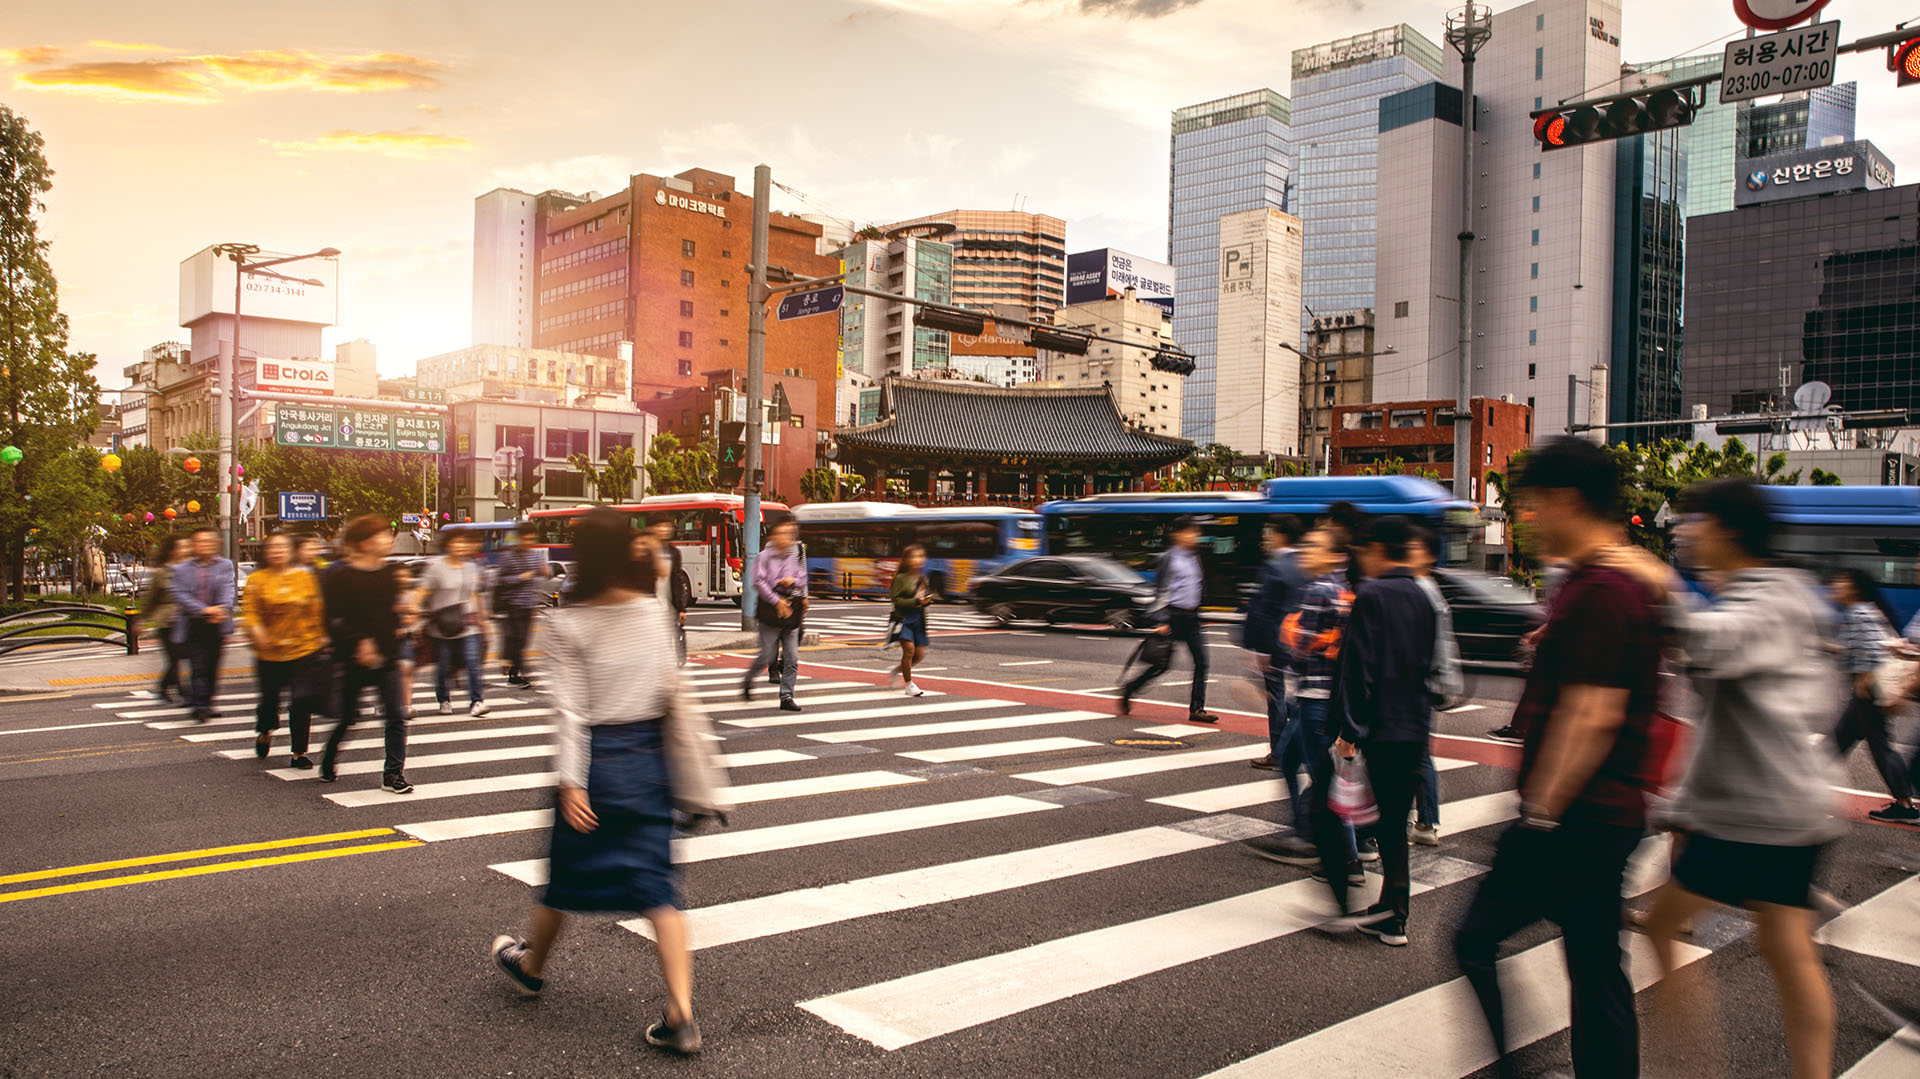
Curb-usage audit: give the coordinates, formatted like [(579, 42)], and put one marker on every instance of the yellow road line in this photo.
[(189, 855), (203, 870), (96, 751), (111, 679)]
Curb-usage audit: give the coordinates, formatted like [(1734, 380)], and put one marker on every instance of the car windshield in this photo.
[(1492, 589), (1107, 571)]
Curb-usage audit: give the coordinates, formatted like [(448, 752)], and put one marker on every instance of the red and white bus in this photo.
[(706, 532)]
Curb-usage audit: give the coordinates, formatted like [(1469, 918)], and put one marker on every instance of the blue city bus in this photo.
[(853, 548), (1875, 529), (1132, 527), (494, 535)]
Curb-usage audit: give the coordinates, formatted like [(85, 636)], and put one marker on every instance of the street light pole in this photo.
[(757, 295), (1467, 30)]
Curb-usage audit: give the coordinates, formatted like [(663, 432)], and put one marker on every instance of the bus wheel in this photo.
[(937, 585), (1001, 613), (1119, 620)]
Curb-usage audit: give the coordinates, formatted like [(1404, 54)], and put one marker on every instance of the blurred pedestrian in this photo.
[(287, 624), (1866, 627), (632, 747), (517, 574), (455, 609), (202, 589), (1276, 595), (362, 596), (162, 612), (307, 552), (1446, 683), (780, 584), (1179, 589), (676, 588), (910, 598), (1585, 767), (409, 649), (1756, 656)]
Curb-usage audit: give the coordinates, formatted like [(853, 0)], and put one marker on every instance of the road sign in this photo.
[(297, 425), (1776, 14), (359, 429), (1798, 59), (506, 463), (818, 301), (363, 429), (409, 518), (419, 434), (417, 396), (303, 506)]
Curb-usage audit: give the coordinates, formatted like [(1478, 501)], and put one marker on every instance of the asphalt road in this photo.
[(977, 881)]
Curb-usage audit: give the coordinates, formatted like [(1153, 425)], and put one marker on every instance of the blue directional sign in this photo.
[(819, 301), (303, 506)]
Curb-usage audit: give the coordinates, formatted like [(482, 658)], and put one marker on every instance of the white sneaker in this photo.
[(915, 691), (446, 708), (1426, 835), (479, 709)]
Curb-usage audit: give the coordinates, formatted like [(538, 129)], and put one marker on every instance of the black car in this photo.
[(1490, 615), (1065, 588)]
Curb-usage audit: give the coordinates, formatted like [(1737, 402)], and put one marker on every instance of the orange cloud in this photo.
[(32, 54), (129, 46), (408, 144), (207, 78)]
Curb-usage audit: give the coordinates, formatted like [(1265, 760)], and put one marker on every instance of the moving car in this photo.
[(1065, 588), (1490, 614)]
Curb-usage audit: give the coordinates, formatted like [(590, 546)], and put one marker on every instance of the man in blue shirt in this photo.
[(1178, 587), (1276, 596), (516, 577), (203, 594)]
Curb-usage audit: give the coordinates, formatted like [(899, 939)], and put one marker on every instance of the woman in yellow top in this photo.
[(288, 625)]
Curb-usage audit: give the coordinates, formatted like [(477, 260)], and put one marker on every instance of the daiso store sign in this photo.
[(314, 377)]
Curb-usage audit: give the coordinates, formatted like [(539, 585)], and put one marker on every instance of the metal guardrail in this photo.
[(30, 628)]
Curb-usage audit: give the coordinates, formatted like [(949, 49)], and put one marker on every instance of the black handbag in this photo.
[(449, 622), (1156, 650)]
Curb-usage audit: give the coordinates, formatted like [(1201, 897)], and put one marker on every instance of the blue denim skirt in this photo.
[(626, 862)]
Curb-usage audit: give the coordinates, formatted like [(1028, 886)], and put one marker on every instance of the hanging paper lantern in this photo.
[(191, 464), (168, 513), (129, 518), (111, 462), (11, 455), (193, 507), (239, 470), (149, 518), (446, 516)]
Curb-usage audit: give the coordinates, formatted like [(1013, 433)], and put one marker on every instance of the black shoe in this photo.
[(166, 697), (787, 705), (1369, 849), (1202, 717), (301, 762), (746, 689), (1126, 704), (1370, 917), (1391, 929), (520, 682), (1266, 762), (507, 954), (396, 783), (773, 677), (1286, 849), (1356, 876), (1895, 813), (683, 1039), (260, 745), (326, 772), (199, 715), (1508, 733)]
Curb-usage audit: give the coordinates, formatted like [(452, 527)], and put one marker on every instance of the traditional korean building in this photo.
[(957, 442)]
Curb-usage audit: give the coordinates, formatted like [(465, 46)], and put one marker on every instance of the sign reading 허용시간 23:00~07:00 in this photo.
[(358, 429)]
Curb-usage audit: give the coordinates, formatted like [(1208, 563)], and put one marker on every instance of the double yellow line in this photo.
[(198, 870)]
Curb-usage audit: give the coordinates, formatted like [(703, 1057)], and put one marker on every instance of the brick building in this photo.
[(1419, 434), (663, 264), (789, 448)]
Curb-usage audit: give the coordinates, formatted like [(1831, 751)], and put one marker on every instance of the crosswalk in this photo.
[(1029, 866), (867, 620)]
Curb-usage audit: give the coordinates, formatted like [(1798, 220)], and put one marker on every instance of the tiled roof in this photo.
[(972, 419)]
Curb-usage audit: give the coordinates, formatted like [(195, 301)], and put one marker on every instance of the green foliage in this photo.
[(614, 483), (897, 491), (1822, 478), (355, 481), (827, 485), (674, 470)]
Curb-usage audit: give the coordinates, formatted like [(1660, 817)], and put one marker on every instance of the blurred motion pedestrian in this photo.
[(202, 589), (307, 550), (1447, 684), (1756, 656), (677, 590), (287, 624), (361, 592), (455, 610), (1179, 589), (1866, 627), (633, 746), (1586, 765), (910, 598), (517, 573), (780, 584), (409, 648), (1276, 595), (161, 612)]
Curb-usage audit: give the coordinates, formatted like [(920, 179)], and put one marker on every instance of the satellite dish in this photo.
[(1812, 396)]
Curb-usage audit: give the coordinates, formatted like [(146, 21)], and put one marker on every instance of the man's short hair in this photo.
[(1573, 464), (527, 528), (362, 528), (1393, 533), (204, 529), (1184, 522), (1739, 507), (1286, 526)]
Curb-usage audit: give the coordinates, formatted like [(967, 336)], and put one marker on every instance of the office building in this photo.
[(1002, 358), (524, 374), (1003, 257), (790, 431), (1336, 370), (1417, 436), (1831, 299), (547, 435), (1256, 359), (1226, 156), (1543, 262), (1146, 388), (1721, 135), (878, 337), (506, 245), (1419, 287), (1336, 94)]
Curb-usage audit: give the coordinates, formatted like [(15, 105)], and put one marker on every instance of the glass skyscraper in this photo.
[(1336, 90), (1227, 155)]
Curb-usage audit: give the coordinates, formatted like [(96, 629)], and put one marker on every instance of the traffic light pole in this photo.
[(757, 295)]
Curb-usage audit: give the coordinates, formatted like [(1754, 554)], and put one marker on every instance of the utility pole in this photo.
[(1468, 29), (757, 295)]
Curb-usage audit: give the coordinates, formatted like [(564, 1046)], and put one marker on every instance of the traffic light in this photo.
[(1906, 62), (732, 452), (1582, 124), (529, 482)]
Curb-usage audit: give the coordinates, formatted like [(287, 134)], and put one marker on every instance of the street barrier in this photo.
[(29, 628)]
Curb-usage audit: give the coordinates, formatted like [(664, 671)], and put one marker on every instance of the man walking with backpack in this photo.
[(1179, 584)]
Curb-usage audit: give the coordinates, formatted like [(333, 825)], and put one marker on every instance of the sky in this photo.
[(370, 126)]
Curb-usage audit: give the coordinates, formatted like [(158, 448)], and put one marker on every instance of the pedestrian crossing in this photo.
[(852, 623), (1024, 866)]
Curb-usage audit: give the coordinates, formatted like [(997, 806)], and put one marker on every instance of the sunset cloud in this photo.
[(129, 46), (202, 79), (417, 145), (32, 54)]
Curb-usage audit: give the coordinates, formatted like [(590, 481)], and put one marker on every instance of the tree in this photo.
[(69, 503), (613, 483), (584, 465), (673, 470), (827, 485), (1822, 478), (48, 391)]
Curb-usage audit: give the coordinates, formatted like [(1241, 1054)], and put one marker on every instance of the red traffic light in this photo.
[(1906, 62), (1551, 130)]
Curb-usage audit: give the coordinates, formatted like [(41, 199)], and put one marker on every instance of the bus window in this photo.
[(959, 539)]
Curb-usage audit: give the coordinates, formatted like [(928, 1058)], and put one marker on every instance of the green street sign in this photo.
[(359, 429)]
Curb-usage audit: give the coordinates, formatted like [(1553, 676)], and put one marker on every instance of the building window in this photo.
[(1407, 417), (724, 312), (1536, 104), (686, 248), (797, 420), (686, 368), (1529, 418), (516, 436), (1536, 271), (1536, 164), (1532, 370), (724, 283), (563, 443), (686, 278), (1533, 337), (1536, 204), (553, 370), (1489, 415), (686, 339), (723, 342), (686, 306), (1400, 309), (1536, 237), (1539, 22), (609, 441), (1489, 459), (567, 484), (725, 254), (1533, 303), (1539, 63)]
